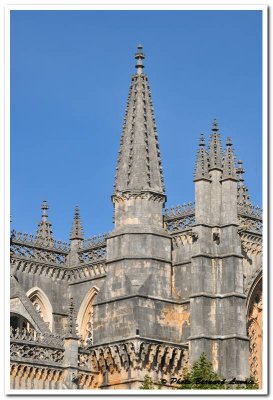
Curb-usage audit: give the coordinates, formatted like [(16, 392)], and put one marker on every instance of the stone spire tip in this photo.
[(139, 56), (77, 231), (215, 125), (44, 208), (229, 142), (202, 140)]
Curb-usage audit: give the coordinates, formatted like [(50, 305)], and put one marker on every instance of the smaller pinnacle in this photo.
[(215, 151), (139, 56), (229, 170), (202, 170), (76, 232), (229, 143), (71, 326), (44, 230)]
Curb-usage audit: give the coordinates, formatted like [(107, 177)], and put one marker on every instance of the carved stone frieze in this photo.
[(120, 197), (251, 244), (184, 239), (74, 274), (136, 355)]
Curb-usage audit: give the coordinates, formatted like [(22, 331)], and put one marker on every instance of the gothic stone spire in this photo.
[(243, 197), (215, 152), (229, 169), (76, 232), (139, 165), (202, 167), (44, 230)]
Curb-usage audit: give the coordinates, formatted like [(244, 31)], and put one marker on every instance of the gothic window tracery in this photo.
[(41, 305), (85, 318), (255, 332)]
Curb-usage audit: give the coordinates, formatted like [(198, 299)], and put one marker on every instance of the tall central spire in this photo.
[(139, 165)]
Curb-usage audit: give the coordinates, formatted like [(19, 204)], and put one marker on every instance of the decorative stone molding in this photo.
[(255, 332), (120, 197), (70, 275), (251, 244), (29, 377), (137, 355), (184, 239)]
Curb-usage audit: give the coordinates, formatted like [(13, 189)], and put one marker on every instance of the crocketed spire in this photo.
[(44, 231), (215, 152), (202, 167), (229, 169), (243, 197), (76, 231), (139, 165)]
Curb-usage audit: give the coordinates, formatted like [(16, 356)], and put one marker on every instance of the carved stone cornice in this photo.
[(252, 244), (71, 275), (120, 197), (136, 354), (184, 239)]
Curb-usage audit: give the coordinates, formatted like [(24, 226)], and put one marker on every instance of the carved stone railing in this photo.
[(250, 219), (95, 241), (250, 211), (179, 218), (32, 346), (34, 241), (46, 339), (33, 253)]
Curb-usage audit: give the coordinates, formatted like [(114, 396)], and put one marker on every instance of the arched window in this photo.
[(18, 321), (255, 330), (85, 317), (41, 304)]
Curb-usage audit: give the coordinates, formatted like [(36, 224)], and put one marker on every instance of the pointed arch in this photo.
[(85, 316), (42, 305)]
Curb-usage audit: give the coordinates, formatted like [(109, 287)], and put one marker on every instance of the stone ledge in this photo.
[(218, 295), (128, 257), (142, 296), (219, 337)]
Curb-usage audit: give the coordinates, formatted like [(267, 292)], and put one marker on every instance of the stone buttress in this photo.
[(217, 300)]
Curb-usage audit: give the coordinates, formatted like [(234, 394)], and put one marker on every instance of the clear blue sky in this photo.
[(70, 75)]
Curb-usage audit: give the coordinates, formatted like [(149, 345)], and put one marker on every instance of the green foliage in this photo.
[(149, 385), (202, 376)]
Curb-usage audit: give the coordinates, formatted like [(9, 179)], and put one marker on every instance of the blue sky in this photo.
[(70, 75)]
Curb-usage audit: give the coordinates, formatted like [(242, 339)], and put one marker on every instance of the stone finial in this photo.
[(202, 167), (139, 163), (229, 169), (77, 231), (139, 56), (215, 151), (243, 196), (44, 231)]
